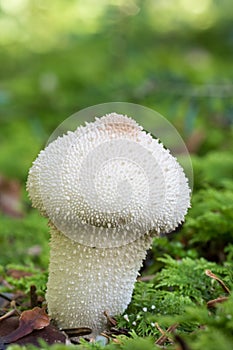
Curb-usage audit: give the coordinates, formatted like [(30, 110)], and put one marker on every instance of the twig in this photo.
[(222, 284), (164, 335), (212, 303), (110, 319), (33, 297), (11, 312), (2, 295), (8, 314), (77, 332)]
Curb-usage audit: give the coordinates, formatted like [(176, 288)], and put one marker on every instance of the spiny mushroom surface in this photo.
[(107, 189)]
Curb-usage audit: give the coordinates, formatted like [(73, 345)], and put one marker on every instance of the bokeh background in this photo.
[(58, 57)]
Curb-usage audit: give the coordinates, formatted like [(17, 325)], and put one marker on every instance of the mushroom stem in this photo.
[(85, 281)]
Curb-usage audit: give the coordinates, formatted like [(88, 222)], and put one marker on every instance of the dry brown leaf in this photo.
[(37, 317), (50, 334), (29, 320)]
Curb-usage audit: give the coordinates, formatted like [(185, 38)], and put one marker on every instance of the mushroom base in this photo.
[(84, 281)]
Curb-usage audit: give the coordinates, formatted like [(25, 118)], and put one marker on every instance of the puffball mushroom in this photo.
[(107, 189)]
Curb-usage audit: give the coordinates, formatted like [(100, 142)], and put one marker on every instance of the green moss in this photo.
[(24, 240), (35, 277), (215, 169), (209, 224)]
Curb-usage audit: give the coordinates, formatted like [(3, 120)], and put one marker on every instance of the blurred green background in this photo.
[(58, 57)]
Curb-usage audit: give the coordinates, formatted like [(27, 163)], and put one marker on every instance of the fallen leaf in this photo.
[(29, 320), (37, 317), (49, 334)]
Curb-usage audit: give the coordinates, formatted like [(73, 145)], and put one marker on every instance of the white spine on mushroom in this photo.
[(105, 188)]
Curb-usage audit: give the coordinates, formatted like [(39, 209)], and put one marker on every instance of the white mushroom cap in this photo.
[(110, 182)]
